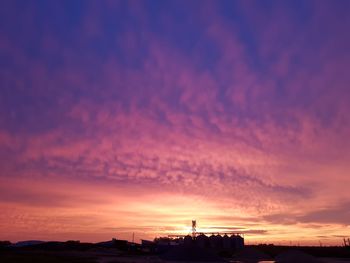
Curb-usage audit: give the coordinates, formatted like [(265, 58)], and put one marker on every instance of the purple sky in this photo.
[(137, 116)]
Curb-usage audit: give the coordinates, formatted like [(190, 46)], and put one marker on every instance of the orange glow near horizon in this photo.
[(101, 212)]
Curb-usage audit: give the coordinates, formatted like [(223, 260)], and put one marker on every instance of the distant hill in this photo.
[(27, 243)]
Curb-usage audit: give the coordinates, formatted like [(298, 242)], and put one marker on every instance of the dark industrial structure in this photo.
[(347, 242), (206, 240)]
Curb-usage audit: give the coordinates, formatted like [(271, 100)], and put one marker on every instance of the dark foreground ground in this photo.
[(111, 255)]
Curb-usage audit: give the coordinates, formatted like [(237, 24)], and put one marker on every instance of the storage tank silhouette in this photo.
[(188, 240), (212, 241), (215, 241), (237, 242), (240, 242), (226, 242), (219, 241), (202, 241)]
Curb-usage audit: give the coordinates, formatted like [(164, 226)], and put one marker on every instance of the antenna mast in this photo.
[(194, 226)]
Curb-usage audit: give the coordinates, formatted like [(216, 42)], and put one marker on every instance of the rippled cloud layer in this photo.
[(132, 116)]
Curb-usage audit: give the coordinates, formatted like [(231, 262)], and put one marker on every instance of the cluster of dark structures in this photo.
[(214, 241)]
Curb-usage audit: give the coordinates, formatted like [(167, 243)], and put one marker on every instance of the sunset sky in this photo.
[(139, 116)]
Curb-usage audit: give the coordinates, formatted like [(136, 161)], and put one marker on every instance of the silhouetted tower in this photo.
[(346, 242), (194, 225)]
